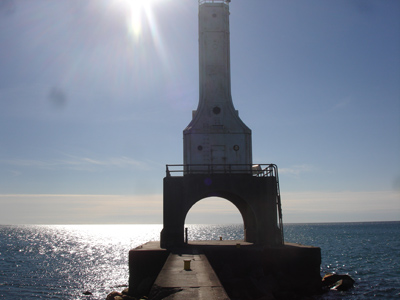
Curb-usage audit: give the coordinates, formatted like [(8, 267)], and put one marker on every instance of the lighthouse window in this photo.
[(214, 15), (200, 147), (236, 147), (216, 110)]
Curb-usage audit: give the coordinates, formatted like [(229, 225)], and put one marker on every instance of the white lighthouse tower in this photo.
[(217, 148), (216, 135)]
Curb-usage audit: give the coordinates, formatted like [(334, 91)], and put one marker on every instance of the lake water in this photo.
[(63, 261)]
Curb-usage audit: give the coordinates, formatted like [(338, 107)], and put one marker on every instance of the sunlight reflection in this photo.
[(113, 234)]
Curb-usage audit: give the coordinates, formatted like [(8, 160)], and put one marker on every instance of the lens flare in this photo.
[(139, 16), (134, 21), (142, 24)]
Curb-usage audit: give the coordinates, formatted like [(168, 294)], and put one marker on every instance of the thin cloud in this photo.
[(341, 206), (297, 169), (78, 163), (304, 207), (15, 173), (342, 104), (80, 209)]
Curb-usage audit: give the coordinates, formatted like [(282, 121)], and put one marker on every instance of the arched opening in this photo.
[(213, 218)]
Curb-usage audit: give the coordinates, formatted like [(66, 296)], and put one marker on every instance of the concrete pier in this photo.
[(197, 282), (224, 270)]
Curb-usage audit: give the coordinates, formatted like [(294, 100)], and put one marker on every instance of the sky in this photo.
[(95, 94)]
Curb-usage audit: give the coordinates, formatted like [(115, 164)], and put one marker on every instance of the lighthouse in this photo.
[(216, 135), (217, 151), (217, 162)]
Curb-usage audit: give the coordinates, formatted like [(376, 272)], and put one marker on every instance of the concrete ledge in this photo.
[(145, 262), (285, 272)]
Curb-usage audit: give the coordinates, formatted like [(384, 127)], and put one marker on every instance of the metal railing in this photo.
[(259, 170), (214, 1)]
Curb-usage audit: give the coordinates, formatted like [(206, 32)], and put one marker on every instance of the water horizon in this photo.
[(63, 261)]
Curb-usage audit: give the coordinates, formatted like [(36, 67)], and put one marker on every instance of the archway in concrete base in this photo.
[(214, 210), (254, 197), (214, 217)]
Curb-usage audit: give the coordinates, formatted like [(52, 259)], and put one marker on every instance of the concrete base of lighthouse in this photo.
[(255, 198), (288, 271)]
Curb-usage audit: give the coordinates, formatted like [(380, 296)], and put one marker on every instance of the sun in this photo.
[(143, 34), (139, 13)]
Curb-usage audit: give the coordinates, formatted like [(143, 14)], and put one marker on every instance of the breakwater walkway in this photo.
[(179, 281), (198, 281), (220, 269)]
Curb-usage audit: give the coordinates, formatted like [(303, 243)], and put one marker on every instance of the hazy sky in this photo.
[(95, 94)]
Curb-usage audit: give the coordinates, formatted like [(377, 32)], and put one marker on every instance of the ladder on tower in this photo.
[(279, 206)]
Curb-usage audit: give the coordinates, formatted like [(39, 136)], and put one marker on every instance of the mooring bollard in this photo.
[(220, 238), (186, 264)]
